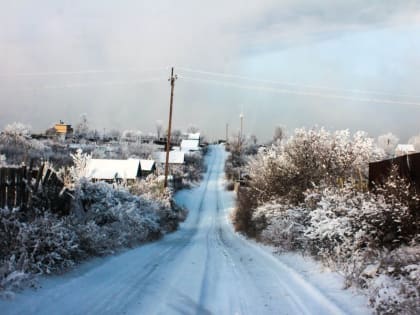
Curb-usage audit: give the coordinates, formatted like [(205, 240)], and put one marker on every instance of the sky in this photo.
[(296, 63)]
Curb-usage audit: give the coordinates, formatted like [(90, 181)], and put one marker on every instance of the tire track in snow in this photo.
[(140, 284), (203, 268), (204, 280), (306, 291)]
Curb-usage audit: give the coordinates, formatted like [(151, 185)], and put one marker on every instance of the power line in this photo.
[(308, 86), (300, 93), (92, 84), (93, 71)]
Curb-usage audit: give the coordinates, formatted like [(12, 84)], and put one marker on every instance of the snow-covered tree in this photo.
[(415, 141), (131, 136), (159, 128), (18, 146), (16, 134), (82, 128), (79, 169), (279, 134), (388, 142)]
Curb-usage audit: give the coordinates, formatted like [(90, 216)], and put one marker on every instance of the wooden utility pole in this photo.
[(168, 140)]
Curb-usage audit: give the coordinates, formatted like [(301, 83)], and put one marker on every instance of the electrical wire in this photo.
[(315, 87), (300, 93), (93, 84), (64, 73)]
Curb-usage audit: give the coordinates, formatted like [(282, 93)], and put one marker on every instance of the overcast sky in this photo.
[(340, 64)]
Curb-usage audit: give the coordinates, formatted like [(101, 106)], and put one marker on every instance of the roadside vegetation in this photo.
[(104, 218), (309, 193)]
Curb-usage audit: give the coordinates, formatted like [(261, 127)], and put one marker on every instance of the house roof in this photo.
[(147, 165), (175, 157), (194, 136), (407, 148), (190, 145), (110, 169)]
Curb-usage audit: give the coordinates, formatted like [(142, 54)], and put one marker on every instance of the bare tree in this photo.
[(114, 134), (192, 129), (388, 142), (253, 139), (159, 128), (176, 136), (279, 134), (131, 135), (82, 128)]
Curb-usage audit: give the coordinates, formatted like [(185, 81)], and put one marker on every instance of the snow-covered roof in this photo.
[(110, 169), (175, 157), (194, 136), (405, 149), (190, 145), (147, 165)]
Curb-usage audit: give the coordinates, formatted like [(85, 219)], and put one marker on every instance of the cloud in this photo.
[(66, 37)]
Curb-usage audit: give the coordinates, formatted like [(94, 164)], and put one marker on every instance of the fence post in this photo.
[(11, 187), (2, 187)]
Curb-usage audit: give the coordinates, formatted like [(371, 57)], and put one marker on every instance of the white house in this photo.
[(110, 170), (175, 157), (147, 167), (403, 149), (190, 145), (193, 136)]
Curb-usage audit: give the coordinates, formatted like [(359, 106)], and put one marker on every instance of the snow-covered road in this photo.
[(204, 268)]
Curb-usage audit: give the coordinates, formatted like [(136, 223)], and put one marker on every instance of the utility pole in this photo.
[(241, 116), (227, 133), (168, 140), (242, 123)]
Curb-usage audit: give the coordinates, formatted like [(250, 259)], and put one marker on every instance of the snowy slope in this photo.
[(204, 268)]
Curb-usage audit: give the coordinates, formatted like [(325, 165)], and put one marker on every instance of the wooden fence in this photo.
[(408, 167), (25, 187)]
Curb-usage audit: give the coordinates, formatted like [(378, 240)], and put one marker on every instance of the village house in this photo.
[(190, 145), (194, 136), (110, 170), (404, 149), (63, 131), (175, 157), (147, 167)]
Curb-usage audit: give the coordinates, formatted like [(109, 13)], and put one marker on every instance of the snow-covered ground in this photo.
[(203, 268)]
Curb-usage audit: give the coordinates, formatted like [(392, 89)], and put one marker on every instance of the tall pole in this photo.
[(241, 116), (242, 125), (227, 133), (168, 139)]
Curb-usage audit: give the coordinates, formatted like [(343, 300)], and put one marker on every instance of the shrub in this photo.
[(242, 215)]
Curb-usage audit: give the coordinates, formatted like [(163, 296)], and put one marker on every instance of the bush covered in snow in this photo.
[(33, 244), (373, 237), (281, 224), (112, 218), (194, 167), (103, 219), (18, 146), (307, 194), (308, 158)]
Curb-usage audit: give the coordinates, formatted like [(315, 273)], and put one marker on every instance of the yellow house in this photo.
[(62, 129)]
